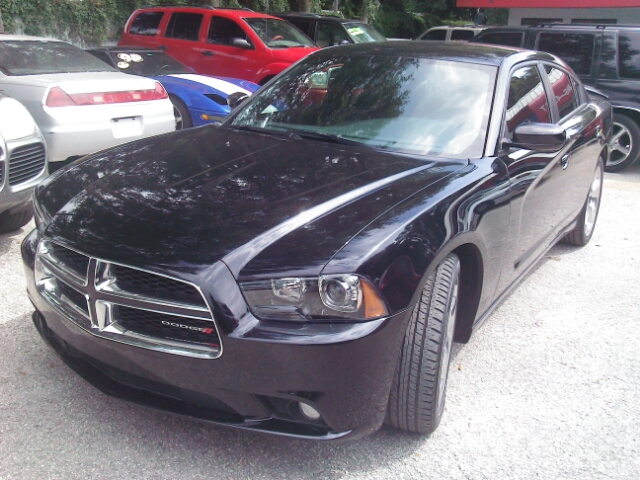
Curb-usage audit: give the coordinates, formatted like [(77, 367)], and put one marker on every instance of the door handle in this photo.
[(162, 47), (565, 161), (207, 53)]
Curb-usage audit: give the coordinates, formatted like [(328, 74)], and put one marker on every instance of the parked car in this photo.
[(606, 57), (223, 43), (23, 163), (304, 268), (327, 30), (451, 33), (197, 99), (80, 104)]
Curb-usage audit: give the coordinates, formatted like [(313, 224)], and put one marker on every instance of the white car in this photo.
[(451, 33), (80, 104), (23, 163)]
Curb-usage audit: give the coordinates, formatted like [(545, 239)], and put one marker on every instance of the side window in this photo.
[(563, 90), (462, 35), (437, 35), (305, 25), (222, 31), (508, 39), (184, 26), (146, 23), (574, 48), (527, 100), (629, 54), (330, 34)]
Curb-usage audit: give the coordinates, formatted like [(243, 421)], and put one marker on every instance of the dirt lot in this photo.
[(548, 388)]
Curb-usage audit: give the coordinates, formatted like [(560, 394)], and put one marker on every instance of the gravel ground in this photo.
[(548, 388)]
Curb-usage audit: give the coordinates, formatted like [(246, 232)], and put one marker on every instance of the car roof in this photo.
[(232, 12), (568, 26), (27, 38), (116, 48), (316, 16), (476, 53)]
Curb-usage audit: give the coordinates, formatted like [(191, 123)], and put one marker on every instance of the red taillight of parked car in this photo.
[(59, 98)]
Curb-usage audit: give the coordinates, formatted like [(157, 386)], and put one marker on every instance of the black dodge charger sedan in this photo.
[(303, 268)]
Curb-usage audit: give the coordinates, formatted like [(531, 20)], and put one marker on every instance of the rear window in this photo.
[(508, 39), (38, 57), (146, 23), (462, 35), (629, 54), (184, 26), (574, 48), (437, 35)]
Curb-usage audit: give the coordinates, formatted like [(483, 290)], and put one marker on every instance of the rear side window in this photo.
[(305, 25), (563, 90), (439, 35), (527, 100), (508, 39), (223, 30), (574, 48), (462, 34), (629, 54), (184, 26), (146, 23)]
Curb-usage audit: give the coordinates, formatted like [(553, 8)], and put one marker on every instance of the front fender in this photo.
[(269, 71)]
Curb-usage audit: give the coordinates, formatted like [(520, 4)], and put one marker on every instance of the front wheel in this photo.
[(13, 220), (583, 231), (181, 113), (416, 400), (624, 143)]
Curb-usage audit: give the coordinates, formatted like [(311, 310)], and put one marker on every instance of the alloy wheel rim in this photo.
[(621, 144), (178, 117), (593, 202), (447, 343)]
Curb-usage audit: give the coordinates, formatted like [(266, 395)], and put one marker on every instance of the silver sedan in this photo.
[(80, 104)]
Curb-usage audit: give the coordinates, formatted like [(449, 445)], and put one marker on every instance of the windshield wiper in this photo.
[(330, 137)]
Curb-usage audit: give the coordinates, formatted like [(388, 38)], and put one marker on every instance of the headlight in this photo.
[(15, 120), (330, 297)]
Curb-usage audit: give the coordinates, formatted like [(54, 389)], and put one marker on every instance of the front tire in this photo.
[(624, 143), (181, 113), (416, 400), (13, 220), (583, 231)]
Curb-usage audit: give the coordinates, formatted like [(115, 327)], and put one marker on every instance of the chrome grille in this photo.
[(126, 304), (26, 162), (1, 170)]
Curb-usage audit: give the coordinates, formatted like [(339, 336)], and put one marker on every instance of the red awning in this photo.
[(547, 3)]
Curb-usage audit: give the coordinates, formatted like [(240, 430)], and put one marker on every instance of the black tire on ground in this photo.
[(583, 231), (11, 220), (181, 112), (416, 400), (624, 143)]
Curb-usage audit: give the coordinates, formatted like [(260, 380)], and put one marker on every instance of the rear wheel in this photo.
[(181, 112), (583, 231), (417, 397), (13, 220), (624, 143)]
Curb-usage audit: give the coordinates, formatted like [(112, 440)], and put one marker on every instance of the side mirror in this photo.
[(543, 137), (241, 43), (344, 42), (236, 99)]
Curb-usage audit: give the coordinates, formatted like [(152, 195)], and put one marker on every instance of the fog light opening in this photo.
[(309, 412)]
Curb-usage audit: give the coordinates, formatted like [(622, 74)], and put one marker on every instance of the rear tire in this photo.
[(583, 231), (13, 220), (416, 400), (181, 113), (624, 143)]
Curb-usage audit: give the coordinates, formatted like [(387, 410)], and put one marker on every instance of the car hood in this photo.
[(86, 82), (224, 194), (204, 83)]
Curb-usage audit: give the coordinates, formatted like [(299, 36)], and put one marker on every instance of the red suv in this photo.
[(221, 42)]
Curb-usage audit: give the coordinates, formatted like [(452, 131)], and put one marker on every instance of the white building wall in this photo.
[(622, 15)]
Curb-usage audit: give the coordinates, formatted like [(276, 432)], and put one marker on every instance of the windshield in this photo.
[(364, 33), (278, 33), (41, 57), (403, 104), (148, 63)]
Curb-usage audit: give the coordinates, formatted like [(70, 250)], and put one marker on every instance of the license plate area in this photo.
[(126, 127)]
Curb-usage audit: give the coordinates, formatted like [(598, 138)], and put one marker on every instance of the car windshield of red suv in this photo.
[(278, 33)]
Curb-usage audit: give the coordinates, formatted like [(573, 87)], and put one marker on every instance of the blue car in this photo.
[(197, 99)]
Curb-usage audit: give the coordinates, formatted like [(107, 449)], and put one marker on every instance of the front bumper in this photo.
[(255, 384)]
